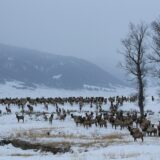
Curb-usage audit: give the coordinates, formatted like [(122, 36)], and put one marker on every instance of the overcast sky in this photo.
[(89, 29)]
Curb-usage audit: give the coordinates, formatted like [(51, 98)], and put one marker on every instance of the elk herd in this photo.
[(99, 116)]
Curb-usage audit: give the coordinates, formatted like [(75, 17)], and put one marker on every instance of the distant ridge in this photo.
[(34, 67)]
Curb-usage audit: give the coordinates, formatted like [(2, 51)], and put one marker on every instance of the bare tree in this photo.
[(134, 52), (154, 57)]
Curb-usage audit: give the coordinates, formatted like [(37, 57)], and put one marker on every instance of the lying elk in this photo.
[(20, 117)]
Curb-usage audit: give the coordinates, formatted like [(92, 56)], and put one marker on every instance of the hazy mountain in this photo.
[(33, 67)]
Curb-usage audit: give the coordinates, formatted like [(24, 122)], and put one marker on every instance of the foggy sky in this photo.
[(88, 29)]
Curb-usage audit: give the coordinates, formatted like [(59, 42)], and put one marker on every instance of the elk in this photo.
[(8, 110), (62, 117), (151, 129), (46, 106), (30, 108), (51, 118), (45, 116), (136, 133), (20, 117), (158, 128)]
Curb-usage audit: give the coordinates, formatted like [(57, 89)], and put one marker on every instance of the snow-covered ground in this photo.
[(93, 143)]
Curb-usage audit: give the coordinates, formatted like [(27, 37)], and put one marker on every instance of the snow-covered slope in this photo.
[(34, 67), (17, 89)]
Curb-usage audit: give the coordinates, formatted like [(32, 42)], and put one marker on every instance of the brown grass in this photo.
[(55, 144), (121, 156), (112, 137), (21, 155), (43, 134), (130, 155), (70, 139)]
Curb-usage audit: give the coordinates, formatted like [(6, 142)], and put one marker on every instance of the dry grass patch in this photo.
[(129, 155), (94, 143), (43, 134), (121, 155), (112, 137), (21, 155), (105, 141), (43, 147), (111, 156), (58, 144), (83, 141)]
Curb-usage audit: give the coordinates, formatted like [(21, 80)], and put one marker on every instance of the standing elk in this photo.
[(51, 118), (8, 110), (20, 117), (30, 108)]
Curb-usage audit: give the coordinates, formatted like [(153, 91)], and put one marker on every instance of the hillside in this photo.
[(33, 67)]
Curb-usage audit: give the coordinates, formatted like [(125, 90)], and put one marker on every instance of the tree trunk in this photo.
[(141, 96)]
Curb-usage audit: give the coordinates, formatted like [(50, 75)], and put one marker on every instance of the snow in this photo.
[(91, 87), (8, 90), (34, 128)]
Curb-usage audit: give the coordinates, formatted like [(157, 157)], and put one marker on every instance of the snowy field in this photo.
[(93, 143)]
